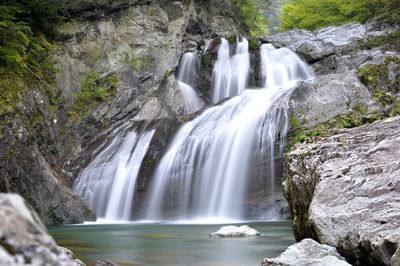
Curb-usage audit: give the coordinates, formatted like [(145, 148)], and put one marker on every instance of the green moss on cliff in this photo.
[(377, 79), (27, 29), (93, 91)]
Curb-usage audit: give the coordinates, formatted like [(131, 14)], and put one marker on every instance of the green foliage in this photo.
[(349, 121), (385, 42), (26, 30), (93, 91), (313, 14), (374, 76), (396, 109), (253, 44), (252, 16)]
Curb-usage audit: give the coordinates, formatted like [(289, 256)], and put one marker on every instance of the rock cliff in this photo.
[(344, 191), (343, 185), (24, 239), (126, 52)]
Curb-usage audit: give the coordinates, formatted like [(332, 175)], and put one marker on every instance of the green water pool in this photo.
[(172, 244)]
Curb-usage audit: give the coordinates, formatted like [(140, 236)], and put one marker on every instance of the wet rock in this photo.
[(235, 231), (306, 253), (343, 191), (24, 239), (396, 258), (105, 263)]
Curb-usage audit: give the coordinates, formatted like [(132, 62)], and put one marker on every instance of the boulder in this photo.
[(24, 239), (306, 253), (328, 97), (235, 231), (343, 191)]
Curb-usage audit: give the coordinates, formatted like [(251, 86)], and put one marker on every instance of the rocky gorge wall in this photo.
[(124, 51), (342, 184)]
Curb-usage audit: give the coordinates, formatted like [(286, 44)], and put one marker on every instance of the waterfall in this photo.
[(108, 183), (282, 67), (186, 81), (230, 73), (206, 170)]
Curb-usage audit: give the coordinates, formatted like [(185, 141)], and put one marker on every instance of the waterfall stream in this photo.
[(108, 183), (186, 81), (230, 73), (205, 172)]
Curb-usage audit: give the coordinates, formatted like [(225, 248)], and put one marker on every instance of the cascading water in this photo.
[(186, 80), (230, 73), (205, 172), (108, 183)]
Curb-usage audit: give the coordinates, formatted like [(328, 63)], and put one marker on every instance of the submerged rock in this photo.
[(105, 263), (24, 239), (305, 253), (343, 191), (235, 231)]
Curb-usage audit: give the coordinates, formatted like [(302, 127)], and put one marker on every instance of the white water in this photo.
[(108, 183), (205, 172), (186, 81), (230, 73)]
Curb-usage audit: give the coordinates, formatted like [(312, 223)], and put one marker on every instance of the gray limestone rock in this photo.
[(343, 191), (24, 239), (322, 43), (329, 96), (105, 263), (306, 253)]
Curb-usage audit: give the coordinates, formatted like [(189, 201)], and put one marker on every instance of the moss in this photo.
[(93, 54), (36, 119), (386, 42), (253, 44), (206, 61), (232, 39), (293, 122), (374, 76), (349, 121), (93, 91)]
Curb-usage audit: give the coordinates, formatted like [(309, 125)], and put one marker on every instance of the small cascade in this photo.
[(108, 182), (186, 81), (230, 73), (207, 168), (282, 67)]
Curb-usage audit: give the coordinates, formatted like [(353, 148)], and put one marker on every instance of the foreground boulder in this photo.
[(235, 231), (24, 239), (307, 252), (343, 191)]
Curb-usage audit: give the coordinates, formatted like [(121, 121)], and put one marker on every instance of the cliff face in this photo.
[(342, 185), (125, 51), (344, 191)]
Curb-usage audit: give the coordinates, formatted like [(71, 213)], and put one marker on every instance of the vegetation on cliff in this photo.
[(27, 29), (252, 15), (313, 14)]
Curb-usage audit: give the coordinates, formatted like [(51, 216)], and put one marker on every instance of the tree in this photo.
[(313, 14)]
